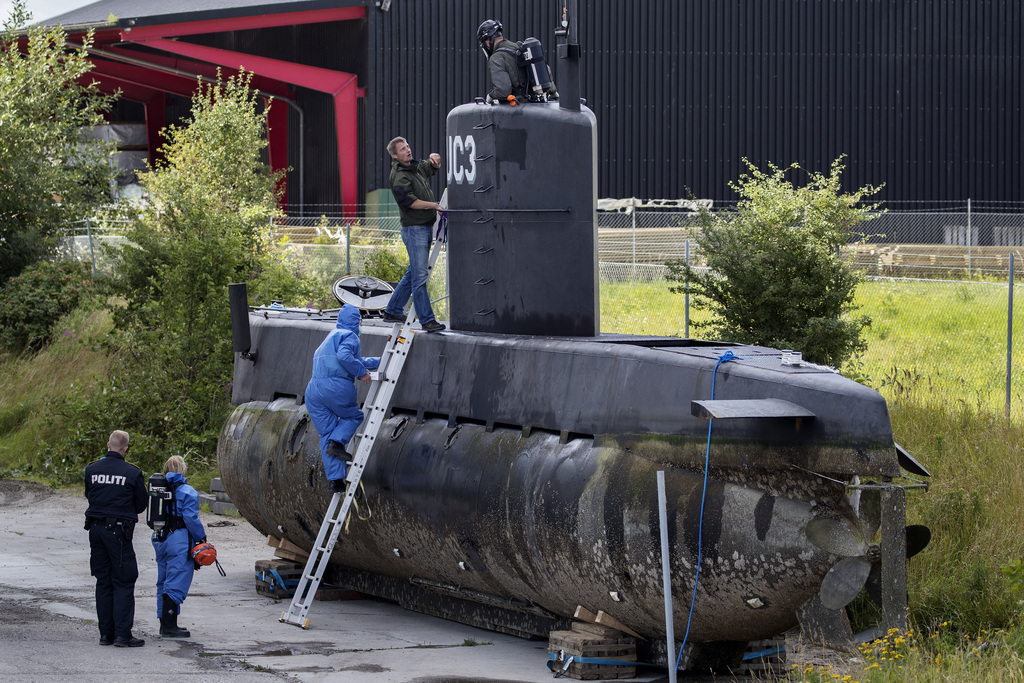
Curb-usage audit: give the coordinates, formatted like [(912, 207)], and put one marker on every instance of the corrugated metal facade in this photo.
[(924, 97)]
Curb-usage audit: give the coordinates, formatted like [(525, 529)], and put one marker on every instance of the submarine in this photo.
[(514, 477)]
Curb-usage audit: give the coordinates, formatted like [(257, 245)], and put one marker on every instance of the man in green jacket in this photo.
[(416, 205)]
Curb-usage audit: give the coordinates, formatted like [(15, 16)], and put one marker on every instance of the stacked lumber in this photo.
[(589, 639), (277, 578), (287, 550)]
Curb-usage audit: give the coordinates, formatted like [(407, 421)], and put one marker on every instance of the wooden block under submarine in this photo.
[(286, 549), (590, 646), (277, 578), (596, 630), (604, 619)]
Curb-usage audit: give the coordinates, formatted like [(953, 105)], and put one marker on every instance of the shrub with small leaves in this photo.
[(32, 303), (775, 275), (387, 262)]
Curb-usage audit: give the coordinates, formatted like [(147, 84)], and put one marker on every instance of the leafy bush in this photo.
[(51, 171), (387, 262), (774, 275), (32, 303), (207, 224)]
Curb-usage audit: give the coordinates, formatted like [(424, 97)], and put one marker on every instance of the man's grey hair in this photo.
[(393, 145), (118, 441)]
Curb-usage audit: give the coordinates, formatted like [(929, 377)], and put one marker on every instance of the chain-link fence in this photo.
[(936, 291)]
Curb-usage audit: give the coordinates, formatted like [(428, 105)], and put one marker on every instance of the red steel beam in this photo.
[(312, 77), (185, 85), (129, 91), (342, 86), (191, 67), (189, 28), (156, 80)]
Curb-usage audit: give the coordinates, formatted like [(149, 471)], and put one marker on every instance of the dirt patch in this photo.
[(16, 493)]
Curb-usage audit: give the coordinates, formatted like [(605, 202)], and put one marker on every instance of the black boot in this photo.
[(337, 450), (169, 620)]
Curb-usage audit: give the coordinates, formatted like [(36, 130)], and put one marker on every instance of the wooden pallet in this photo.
[(267, 583), (594, 641)]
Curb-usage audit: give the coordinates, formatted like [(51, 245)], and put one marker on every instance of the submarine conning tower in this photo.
[(522, 228)]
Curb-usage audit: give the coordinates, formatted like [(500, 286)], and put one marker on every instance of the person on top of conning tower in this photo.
[(506, 72)]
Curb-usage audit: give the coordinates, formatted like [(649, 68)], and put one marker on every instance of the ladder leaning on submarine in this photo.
[(378, 402)]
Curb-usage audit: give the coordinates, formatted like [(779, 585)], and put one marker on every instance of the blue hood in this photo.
[(349, 318)]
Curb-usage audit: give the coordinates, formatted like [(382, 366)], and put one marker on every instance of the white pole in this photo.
[(666, 578)]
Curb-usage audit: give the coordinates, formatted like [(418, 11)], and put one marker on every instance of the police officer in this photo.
[(117, 494)]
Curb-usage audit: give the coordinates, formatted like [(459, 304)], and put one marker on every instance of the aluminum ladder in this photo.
[(378, 399)]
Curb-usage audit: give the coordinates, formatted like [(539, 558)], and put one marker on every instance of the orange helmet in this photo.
[(204, 554)]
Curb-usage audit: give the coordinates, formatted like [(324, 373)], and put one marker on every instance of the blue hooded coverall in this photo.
[(174, 566), (331, 394)]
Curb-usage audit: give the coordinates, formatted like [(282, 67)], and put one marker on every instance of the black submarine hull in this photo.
[(521, 471)]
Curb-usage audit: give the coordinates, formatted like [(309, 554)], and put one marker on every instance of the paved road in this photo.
[(48, 630)]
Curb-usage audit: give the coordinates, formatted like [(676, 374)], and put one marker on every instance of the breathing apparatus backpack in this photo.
[(531, 56), (161, 515)]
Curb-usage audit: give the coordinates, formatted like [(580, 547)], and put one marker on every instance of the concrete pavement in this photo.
[(48, 630)]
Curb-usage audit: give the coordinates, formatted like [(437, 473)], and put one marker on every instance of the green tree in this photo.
[(51, 172), (775, 275), (207, 223)]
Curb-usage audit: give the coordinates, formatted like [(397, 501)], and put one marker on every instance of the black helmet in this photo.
[(488, 29)]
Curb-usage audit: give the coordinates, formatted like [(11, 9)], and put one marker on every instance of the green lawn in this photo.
[(949, 337)]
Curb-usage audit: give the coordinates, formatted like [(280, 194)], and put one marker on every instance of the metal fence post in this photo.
[(633, 214), (92, 253), (969, 238), (686, 289), (348, 249), (1009, 338)]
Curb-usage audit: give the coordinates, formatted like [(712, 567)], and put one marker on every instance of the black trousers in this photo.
[(112, 561)]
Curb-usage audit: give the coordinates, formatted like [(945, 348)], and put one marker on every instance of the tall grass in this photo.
[(952, 334), (28, 383), (937, 352)]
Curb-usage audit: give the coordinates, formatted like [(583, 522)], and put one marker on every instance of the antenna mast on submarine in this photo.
[(569, 55)]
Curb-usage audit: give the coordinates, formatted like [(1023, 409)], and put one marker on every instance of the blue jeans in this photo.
[(417, 244)]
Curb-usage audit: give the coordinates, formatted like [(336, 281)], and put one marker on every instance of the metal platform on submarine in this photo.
[(514, 477)]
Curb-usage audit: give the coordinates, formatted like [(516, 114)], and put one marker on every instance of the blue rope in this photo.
[(724, 358), (287, 586)]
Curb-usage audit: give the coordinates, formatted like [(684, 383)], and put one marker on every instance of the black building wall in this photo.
[(924, 97)]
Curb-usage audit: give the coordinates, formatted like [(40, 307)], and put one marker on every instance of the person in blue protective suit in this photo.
[(173, 545), (331, 393)]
